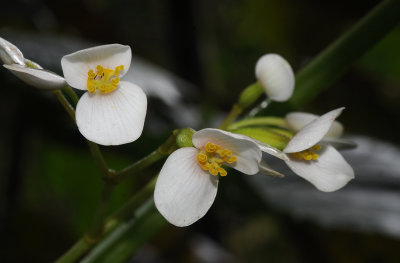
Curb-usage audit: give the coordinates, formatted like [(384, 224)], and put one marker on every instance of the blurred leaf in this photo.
[(129, 237)]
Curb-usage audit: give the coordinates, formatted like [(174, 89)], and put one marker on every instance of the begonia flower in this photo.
[(312, 159), (187, 184), (111, 112)]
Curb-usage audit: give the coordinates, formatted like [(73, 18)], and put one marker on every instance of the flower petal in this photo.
[(276, 76), (297, 120), (77, 65), (10, 54), (38, 78), (184, 191), (114, 118), (328, 173), (247, 152), (313, 132)]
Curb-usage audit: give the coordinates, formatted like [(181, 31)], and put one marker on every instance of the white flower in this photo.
[(187, 184), (276, 77), (10, 54), (112, 112), (321, 164)]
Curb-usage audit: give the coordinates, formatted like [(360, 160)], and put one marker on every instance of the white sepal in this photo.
[(184, 192), (77, 65), (10, 54), (247, 152), (38, 78), (267, 170), (313, 132), (328, 173), (276, 77), (114, 118)]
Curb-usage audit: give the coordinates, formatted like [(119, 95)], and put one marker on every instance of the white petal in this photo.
[(114, 118), (247, 152), (38, 78), (77, 65), (328, 173), (313, 132), (184, 191), (297, 120), (276, 76), (10, 54)]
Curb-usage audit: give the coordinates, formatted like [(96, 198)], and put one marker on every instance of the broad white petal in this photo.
[(276, 77), (114, 118), (77, 65), (297, 120), (38, 78), (184, 191), (10, 54), (313, 132), (328, 173), (247, 152)]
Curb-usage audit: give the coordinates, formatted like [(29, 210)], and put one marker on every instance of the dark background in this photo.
[(49, 185)]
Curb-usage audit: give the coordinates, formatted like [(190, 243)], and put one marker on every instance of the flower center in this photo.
[(213, 156), (309, 154), (105, 79)]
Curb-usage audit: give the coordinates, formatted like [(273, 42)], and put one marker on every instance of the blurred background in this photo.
[(193, 58)]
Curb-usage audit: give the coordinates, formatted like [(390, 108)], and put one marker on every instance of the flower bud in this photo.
[(184, 137), (10, 54), (276, 77)]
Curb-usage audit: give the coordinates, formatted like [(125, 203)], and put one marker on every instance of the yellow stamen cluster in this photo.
[(309, 154), (106, 80), (213, 156)]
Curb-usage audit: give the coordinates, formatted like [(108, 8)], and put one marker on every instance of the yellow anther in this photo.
[(213, 156), (309, 154), (316, 147), (91, 74), (222, 171), (100, 70), (106, 80), (211, 147), (224, 152), (230, 160), (202, 158)]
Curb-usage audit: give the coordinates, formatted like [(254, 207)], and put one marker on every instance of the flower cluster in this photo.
[(112, 112)]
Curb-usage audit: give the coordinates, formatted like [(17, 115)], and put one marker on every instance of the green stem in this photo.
[(235, 111), (71, 94), (64, 102), (83, 245), (137, 166), (106, 173), (96, 230)]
